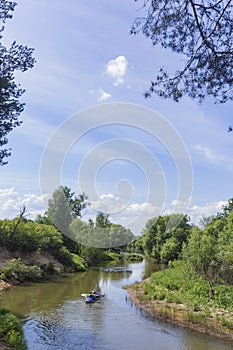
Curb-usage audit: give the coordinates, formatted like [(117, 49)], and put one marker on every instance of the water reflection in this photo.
[(23, 300), (56, 317)]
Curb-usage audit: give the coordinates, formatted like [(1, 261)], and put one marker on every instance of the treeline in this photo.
[(69, 243), (206, 251)]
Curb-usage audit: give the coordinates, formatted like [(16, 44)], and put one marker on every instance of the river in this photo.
[(55, 315)]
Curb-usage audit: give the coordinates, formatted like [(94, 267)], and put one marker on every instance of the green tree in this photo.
[(65, 206), (76, 203), (202, 33), (225, 242), (227, 209), (171, 231), (170, 250), (12, 59), (102, 220), (59, 211), (203, 254)]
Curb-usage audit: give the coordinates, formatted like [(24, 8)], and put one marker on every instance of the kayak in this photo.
[(92, 298)]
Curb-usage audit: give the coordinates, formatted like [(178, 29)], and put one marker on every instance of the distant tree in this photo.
[(76, 203), (15, 58), (43, 220), (64, 207), (227, 209), (206, 220), (59, 211), (201, 31), (102, 220)]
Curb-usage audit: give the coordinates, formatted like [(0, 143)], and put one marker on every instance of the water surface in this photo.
[(55, 315)]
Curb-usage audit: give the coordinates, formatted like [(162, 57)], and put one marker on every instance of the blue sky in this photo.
[(86, 57)]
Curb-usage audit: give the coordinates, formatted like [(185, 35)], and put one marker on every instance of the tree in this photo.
[(227, 209), (76, 203), (164, 236), (59, 211), (201, 31), (102, 220), (15, 58), (64, 207), (201, 257)]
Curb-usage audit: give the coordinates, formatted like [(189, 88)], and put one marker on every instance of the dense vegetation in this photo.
[(199, 271), (67, 242), (11, 331), (164, 236), (176, 285)]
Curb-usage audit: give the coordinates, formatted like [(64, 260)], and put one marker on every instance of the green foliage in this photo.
[(29, 236), (200, 31), (111, 256), (12, 59), (78, 263), (11, 330), (16, 270), (132, 257), (209, 252), (65, 206), (100, 237), (164, 237), (102, 220), (170, 250), (175, 285), (76, 203), (72, 262), (224, 322), (59, 212)]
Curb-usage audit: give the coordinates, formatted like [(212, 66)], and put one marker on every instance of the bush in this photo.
[(64, 257), (133, 257), (78, 263), (11, 330), (15, 269), (71, 261)]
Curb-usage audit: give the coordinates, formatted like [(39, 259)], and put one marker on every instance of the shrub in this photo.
[(11, 330), (15, 269), (133, 257), (78, 263), (64, 257)]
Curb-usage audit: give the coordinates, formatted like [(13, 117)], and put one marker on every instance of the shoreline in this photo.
[(178, 314), (4, 285)]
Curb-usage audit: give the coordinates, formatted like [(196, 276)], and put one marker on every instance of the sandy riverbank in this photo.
[(4, 285), (180, 315)]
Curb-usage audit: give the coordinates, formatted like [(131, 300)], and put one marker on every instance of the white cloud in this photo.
[(116, 69), (104, 96), (134, 215), (208, 153), (214, 157), (196, 212), (107, 197), (11, 202)]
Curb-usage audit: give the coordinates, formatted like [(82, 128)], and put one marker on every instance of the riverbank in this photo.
[(205, 318), (17, 267), (4, 285)]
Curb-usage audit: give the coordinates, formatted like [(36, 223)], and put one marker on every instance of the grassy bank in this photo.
[(174, 296)]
